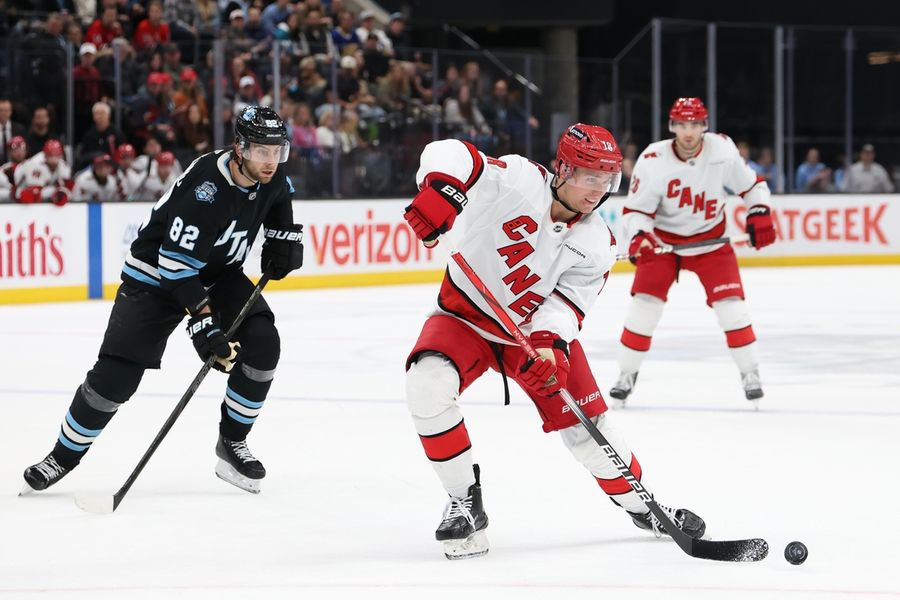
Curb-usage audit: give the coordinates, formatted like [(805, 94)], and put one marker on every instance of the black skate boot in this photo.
[(462, 529), (752, 387), (42, 475), (684, 519), (623, 388), (238, 466)]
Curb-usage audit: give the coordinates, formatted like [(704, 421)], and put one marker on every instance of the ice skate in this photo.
[(685, 520), (238, 466), (623, 388), (462, 528), (752, 388), (42, 475)]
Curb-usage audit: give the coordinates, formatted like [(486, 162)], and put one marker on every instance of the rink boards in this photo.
[(75, 252)]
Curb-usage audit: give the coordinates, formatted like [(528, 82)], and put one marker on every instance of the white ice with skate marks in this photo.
[(349, 506)]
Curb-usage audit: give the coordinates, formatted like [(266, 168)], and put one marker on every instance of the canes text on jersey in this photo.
[(521, 278)]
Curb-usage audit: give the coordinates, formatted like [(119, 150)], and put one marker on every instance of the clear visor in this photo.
[(266, 153), (604, 182)]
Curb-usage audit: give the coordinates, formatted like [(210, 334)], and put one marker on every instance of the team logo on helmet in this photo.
[(249, 114), (573, 130), (206, 192)]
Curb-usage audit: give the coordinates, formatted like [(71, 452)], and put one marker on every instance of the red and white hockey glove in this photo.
[(548, 374), (760, 226), (640, 250), (435, 207)]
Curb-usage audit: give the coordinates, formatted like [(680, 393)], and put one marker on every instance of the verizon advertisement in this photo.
[(831, 225), (43, 246)]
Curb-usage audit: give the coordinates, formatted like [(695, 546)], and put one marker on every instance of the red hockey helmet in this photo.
[(125, 151), (103, 159), (165, 158), (688, 109), (588, 156), (53, 148), (16, 142)]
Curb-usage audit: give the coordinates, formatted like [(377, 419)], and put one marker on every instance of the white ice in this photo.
[(350, 504)]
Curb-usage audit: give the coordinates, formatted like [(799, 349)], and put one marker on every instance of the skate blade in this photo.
[(27, 491), (226, 472), (472, 547), (618, 404), (95, 503)]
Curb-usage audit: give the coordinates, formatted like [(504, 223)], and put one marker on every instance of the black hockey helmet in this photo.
[(260, 125)]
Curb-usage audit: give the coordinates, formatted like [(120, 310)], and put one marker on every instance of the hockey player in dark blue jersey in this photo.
[(186, 261)]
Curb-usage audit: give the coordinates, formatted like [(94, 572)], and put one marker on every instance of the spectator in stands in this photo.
[(97, 184), (193, 133), (367, 29), (866, 176), (478, 83), (344, 36), (172, 60), (246, 93), (399, 36), (40, 132), (74, 34), (348, 132), (240, 70), (8, 128), (103, 30), (766, 167), (353, 92), (181, 15), (318, 34), (102, 138), (189, 92), (235, 36), (294, 42), (375, 61), (743, 149), (255, 32), (324, 132), (810, 174), (394, 90), (311, 84), (303, 131), (507, 119), (87, 82), (206, 21), (629, 157), (463, 116), (449, 86), (152, 31), (275, 13)]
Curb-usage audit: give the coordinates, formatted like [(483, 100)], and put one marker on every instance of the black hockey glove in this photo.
[(208, 338), (282, 251)]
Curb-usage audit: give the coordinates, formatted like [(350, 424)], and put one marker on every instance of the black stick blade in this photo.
[(752, 550)]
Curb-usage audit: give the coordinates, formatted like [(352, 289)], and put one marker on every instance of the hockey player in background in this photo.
[(45, 177), (128, 178), (677, 195), (159, 179), (534, 238), (17, 150), (97, 184), (186, 260)]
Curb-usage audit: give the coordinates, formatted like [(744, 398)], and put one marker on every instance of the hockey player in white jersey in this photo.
[(17, 150), (98, 183), (677, 195), (534, 238), (45, 177), (161, 178), (129, 179)]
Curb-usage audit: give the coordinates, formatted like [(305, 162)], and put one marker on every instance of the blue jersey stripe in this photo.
[(183, 258), (131, 272)]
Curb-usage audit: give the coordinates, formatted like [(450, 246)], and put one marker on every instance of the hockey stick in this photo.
[(667, 248), (750, 550), (104, 504)]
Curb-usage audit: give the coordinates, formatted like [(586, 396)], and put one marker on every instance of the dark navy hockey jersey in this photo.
[(202, 227)]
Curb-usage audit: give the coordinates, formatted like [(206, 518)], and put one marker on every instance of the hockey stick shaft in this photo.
[(742, 550), (188, 394), (668, 248)]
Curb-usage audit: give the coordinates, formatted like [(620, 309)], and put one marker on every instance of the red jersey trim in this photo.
[(579, 314), (627, 210), (678, 156), (477, 165), (759, 179), (718, 230)]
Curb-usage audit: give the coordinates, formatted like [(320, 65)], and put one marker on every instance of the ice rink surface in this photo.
[(350, 504)]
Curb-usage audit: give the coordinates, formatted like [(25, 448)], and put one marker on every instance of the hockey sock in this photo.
[(644, 314), (586, 451), (107, 386), (244, 397), (432, 386), (250, 380), (734, 318)]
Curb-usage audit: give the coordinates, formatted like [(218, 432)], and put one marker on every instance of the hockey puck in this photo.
[(795, 553)]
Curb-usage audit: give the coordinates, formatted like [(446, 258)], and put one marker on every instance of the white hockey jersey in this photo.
[(6, 184), (684, 200), (154, 187), (129, 182), (89, 189), (34, 172), (546, 274)]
